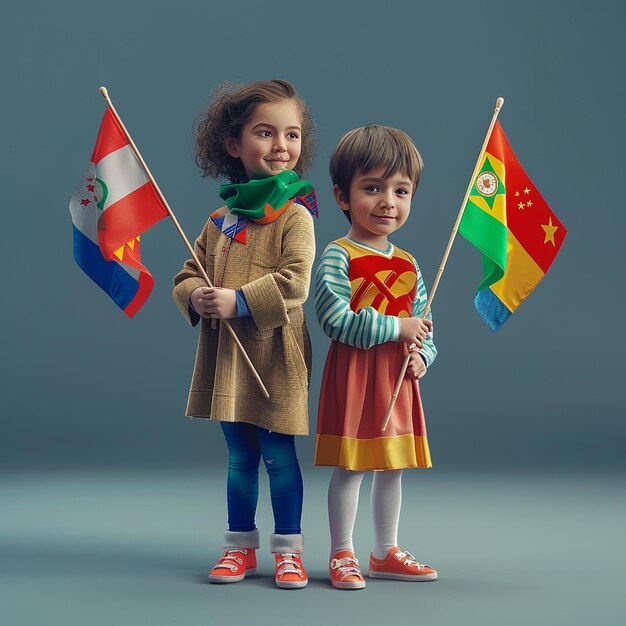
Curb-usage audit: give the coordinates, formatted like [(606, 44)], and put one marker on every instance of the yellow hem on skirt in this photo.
[(381, 453)]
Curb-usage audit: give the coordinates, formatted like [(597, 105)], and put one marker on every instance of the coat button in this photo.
[(224, 249)]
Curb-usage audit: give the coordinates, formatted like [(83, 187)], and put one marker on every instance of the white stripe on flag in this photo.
[(122, 174), (85, 217)]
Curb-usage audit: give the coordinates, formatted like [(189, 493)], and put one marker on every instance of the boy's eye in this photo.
[(402, 191), (372, 188)]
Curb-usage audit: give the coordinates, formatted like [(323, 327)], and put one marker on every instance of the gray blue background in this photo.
[(112, 503)]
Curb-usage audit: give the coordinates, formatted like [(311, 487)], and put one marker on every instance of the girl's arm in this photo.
[(428, 349), (271, 296), (189, 279), (362, 330)]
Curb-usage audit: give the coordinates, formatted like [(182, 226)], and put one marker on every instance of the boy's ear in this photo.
[(340, 199), (231, 147)]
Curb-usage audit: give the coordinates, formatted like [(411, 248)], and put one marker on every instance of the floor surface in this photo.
[(134, 548)]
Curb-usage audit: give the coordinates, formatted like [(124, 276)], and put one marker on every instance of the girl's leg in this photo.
[(243, 475), (287, 541), (241, 540), (343, 500), (386, 503), (283, 470)]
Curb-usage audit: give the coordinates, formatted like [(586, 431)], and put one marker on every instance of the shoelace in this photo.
[(289, 565), (347, 566), (229, 556), (409, 560)]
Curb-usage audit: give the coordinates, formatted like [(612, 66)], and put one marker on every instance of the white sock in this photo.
[(343, 500), (386, 503)]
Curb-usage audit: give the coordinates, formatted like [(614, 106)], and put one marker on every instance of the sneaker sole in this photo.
[(355, 584), (291, 584), (409, 577), (232, 579)]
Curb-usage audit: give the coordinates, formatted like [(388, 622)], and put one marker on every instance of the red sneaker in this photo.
[(344, 571), (399, 565), (234, 565), (290, 573)]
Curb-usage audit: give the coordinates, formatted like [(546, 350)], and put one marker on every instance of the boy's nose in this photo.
[(388, 202)]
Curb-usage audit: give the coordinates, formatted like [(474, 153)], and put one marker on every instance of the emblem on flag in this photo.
[(514, 228)]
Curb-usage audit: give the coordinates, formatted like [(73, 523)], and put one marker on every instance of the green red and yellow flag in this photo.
[(508, 220)]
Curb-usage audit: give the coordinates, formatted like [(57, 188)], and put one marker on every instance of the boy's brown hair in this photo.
[(374, 147), (230, 108)]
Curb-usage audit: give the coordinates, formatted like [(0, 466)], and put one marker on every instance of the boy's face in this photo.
[(270, 141), (378, 206)]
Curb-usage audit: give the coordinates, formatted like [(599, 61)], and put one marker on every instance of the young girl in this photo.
[(258, 250), (370, 299)]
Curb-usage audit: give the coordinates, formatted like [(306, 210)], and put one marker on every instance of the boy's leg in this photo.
[(387, 560), (386, 503), (343, 501)]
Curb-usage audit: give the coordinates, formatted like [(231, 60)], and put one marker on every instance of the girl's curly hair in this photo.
[(230, 108)]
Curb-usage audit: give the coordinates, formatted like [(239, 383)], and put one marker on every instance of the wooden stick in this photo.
[(105, 95), (442, 265)]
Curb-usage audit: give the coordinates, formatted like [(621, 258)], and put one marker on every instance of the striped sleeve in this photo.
[(362, 330), (428, 349)]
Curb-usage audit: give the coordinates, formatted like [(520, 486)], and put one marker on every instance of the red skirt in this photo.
[(356, 389)]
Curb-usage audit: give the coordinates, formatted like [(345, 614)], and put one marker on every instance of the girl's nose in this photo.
[(279, 145)]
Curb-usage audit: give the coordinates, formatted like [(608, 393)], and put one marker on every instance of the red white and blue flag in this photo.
[(115, 203)]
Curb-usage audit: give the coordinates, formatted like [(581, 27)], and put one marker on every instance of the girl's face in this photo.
[(378, 206), (270, 141)]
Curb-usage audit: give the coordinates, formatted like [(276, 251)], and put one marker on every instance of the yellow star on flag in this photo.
[(549, 230), (521, 205), (526, 191)]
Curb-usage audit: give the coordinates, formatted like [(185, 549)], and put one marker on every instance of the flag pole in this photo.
[(442, 265), (105, 95)]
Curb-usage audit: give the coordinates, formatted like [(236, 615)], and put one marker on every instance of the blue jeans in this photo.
[(246, 443)]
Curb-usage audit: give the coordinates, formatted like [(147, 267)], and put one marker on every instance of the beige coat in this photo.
[(274, 270)]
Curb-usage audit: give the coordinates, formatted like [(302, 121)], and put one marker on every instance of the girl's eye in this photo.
[(264, 133), (293, 135)]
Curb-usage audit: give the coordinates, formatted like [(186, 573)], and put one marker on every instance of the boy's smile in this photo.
[(378, 206), (271, 140)]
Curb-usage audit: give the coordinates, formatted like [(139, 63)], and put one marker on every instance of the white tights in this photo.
[(343, 500)]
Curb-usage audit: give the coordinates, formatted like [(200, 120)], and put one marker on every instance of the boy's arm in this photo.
[(270, 297), (362, 330), (428, 351)]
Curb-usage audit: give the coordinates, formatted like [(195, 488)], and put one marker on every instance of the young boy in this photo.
[(369, 300)]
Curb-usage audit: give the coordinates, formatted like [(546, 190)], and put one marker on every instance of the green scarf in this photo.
[(263, 200)]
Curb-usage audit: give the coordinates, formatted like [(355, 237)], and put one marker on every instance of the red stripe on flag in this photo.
[(523, 220), (111, 137), (146, 282), (128, 218)]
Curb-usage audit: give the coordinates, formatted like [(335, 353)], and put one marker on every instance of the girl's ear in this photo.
[(340, 198), (231, 147)]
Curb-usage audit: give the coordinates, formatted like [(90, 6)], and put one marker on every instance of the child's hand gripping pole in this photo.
[(105, 95), (405, 363)]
